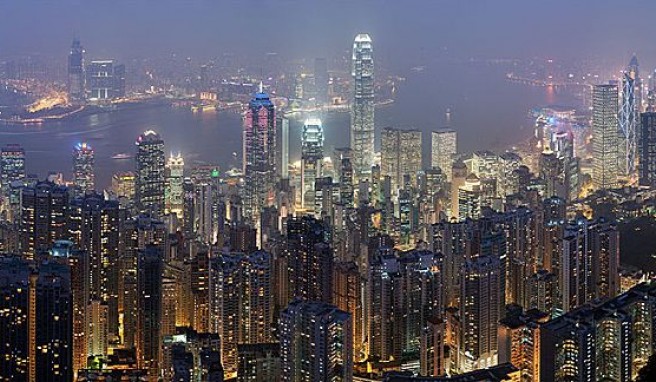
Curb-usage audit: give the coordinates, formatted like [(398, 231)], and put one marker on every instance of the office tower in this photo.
[(607, 341), (325, 193), (44, 214), (362, 108), (348, 296), (562, 144), (76, 76), (149, 313), (480, 310), (150, 173), (321, 79), (105, 80), (316, 343), (444, 146), (310, 260), (629, 115), (605, 136), (648, 149), (552, 174), (241, 301), (174, 181), (509, 162), (83, 163), (94, 228), (311, 160), (259, 362), (12, 165), (282, 147), (259, 155), (400, 155), (37, 336), (123, 184), (470, 197)]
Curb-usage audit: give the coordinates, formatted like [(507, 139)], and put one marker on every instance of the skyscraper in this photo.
[(400, 156), (444, 146), (648, 149), (310, 260), (174, 180), (629, 115), (311, 160), (43, 218), (76, 75), (12, 164), (316, 343), (604, 136), (362, 108), (149, 313), (105, 80), (150, 173), (83, 162), (259, 155), (321, 79)]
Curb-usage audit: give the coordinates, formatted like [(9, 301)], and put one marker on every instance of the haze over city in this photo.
[(327, 191)]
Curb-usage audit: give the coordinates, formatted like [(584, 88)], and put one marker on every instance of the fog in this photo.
[(404, 31)]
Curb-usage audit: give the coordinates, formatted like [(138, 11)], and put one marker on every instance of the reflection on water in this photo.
[(487, 111)]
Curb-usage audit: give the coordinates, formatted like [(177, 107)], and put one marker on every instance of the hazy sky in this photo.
[(402, 29)]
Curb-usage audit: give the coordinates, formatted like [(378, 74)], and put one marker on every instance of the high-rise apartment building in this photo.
[(316, 343), (43, 218)]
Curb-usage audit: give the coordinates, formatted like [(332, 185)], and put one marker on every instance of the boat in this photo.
[(121, 156)]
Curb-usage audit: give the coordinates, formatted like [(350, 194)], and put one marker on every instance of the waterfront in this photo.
[(484, 118)]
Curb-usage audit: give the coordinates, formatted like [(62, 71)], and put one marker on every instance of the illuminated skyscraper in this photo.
[(400, 156), (76, 75), (444, 146), (43, 218), (150, 173), (311, 160), (629, 118), (316, 343), (83, 162), (362, 108), (259, 155), (175, 179), (605, 136), (105, 80), (12, 164), (648, 149)]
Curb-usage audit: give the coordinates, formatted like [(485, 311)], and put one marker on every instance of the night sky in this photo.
[(403, 31)]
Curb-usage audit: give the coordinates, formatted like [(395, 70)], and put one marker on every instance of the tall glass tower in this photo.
[(311, 160), (628, 119), (83, 160), (259, 155), (150, 180), (362, 107), (604, 136), (76, 75)]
